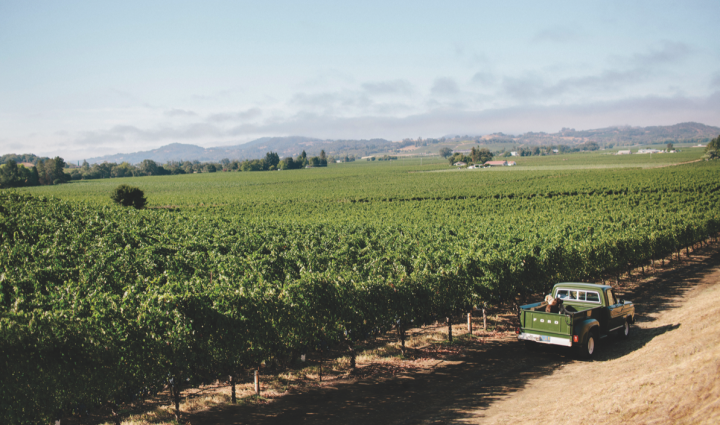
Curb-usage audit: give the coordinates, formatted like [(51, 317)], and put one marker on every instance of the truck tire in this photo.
[(624, 332), (589, 345)]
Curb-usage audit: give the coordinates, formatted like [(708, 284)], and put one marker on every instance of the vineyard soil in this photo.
[(668, 370)]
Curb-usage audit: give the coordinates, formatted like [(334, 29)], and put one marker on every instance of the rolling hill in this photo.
[(293, 145)]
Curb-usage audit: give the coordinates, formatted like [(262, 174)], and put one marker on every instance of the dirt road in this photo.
[(666, 372)]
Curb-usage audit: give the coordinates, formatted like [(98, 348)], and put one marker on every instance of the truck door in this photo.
[(615, 310)]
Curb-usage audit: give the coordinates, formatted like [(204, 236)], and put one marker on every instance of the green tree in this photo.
[(148, 167), (129, 196), (445, 152), (712, 150), (9, 174), (52, 171), (272, 159), (670, 147), (480, 155)]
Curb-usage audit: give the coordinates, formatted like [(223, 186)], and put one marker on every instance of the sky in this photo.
[(81, 79)]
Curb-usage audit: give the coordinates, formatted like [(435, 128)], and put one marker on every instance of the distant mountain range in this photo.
[(289, 146), (283, 146)]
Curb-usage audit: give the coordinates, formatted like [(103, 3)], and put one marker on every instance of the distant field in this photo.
[(354, 180), (607, 159)]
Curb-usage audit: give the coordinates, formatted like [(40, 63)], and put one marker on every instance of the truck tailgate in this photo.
[(549, 328)]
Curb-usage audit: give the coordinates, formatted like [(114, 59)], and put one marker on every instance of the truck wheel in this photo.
[(625, 330), (589, 346)]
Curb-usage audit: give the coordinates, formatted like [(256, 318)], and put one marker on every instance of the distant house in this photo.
[(513, 154), (555, 151), (459, 164), (26, 164), (511, 163), (496, 163), (623, 153), (649, 151)]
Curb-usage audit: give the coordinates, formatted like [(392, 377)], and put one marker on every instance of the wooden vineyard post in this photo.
[(321, 362), (401, 335), (257, 381), (470, 322), (176, 398), (233, 397), (449, 322), (351, 346)]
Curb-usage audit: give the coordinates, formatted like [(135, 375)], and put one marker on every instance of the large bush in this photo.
[(129, 196)]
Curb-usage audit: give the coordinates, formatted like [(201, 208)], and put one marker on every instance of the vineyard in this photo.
[(101, 304)]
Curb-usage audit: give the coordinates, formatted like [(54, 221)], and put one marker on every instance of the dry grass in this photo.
[(673, 378)]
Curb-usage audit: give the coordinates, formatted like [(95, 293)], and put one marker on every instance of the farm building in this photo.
[(496, 163), (649, 151), (459, 164), (511, 163), (623, 152)]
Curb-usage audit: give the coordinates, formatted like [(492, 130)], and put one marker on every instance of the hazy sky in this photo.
[(81, 79)]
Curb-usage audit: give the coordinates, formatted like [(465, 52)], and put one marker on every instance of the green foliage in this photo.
[(712, 150), (480, 155), (99, 304), (10, 174), (129, 196), (445, 152)]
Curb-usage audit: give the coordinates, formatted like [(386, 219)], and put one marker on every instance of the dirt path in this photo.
[(649, 375), (666, 373), (678, 163)]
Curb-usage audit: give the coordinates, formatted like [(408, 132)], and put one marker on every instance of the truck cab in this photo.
[(590, 312)]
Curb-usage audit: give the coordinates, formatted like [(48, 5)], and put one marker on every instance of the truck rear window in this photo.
[(578, 295)]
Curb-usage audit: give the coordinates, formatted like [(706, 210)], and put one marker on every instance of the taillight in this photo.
[(517, 330), (575, 338)]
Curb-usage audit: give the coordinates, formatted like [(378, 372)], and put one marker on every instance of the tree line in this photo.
[(44, 172), (47, 171)]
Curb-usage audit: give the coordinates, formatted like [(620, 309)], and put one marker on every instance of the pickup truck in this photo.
[(591, 312)]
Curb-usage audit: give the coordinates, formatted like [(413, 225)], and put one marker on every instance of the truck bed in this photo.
[(552, 328)]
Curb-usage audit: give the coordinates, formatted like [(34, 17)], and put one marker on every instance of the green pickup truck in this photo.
[(591, 312)]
